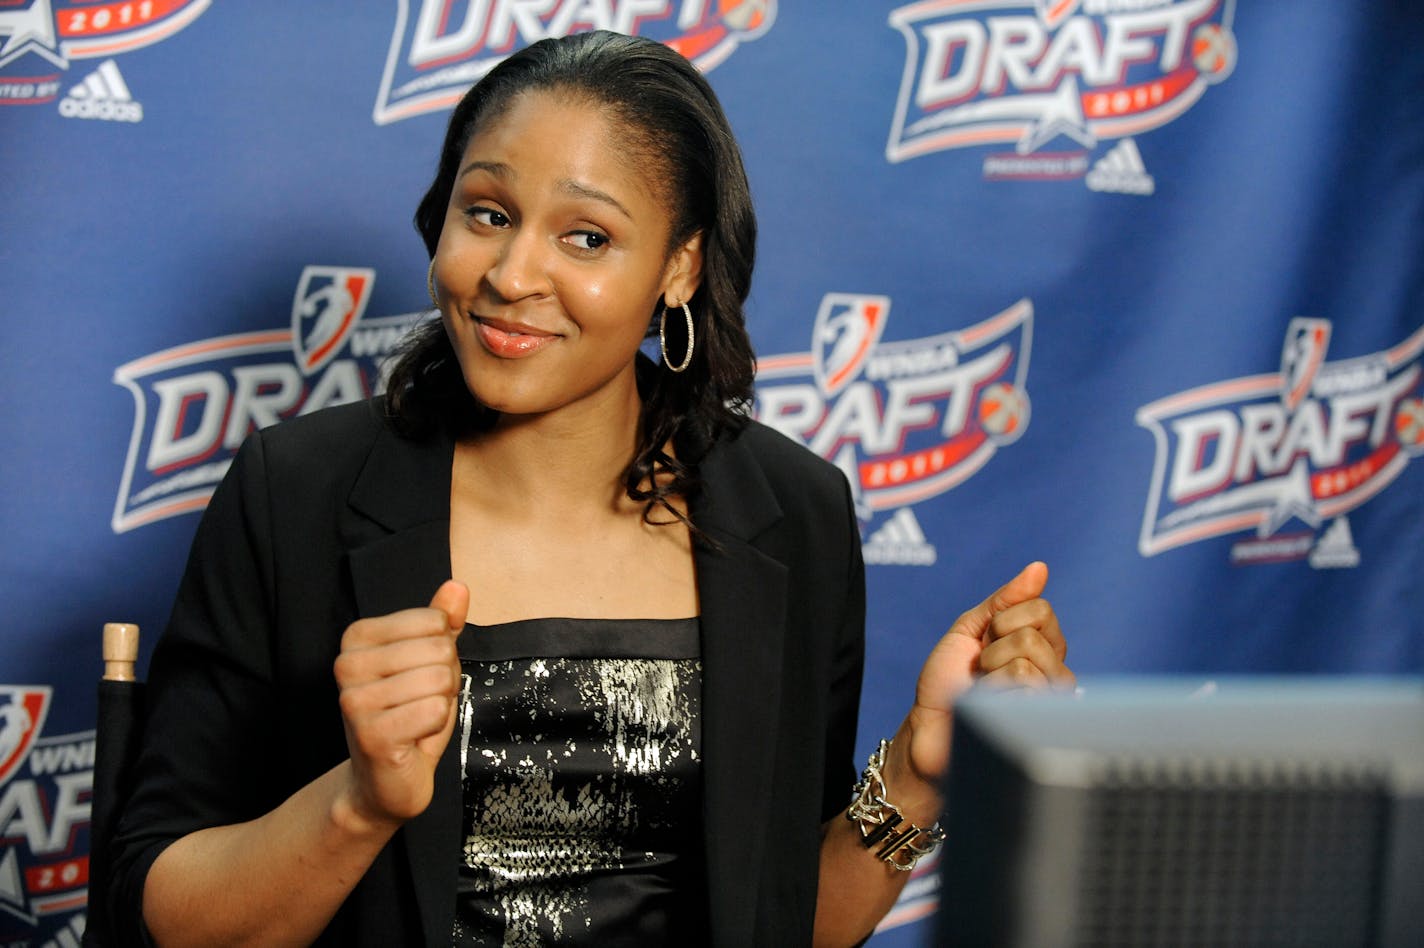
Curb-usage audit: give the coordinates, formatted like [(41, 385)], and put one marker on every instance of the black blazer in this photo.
[(332, 517)]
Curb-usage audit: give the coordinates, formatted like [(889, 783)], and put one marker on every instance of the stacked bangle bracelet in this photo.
[(901, 843)]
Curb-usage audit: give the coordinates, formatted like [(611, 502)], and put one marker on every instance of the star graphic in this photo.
[(30, 31), (12, 889), (1061, 114), (1293, 499)]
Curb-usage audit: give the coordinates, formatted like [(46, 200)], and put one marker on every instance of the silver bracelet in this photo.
[(901, 842)]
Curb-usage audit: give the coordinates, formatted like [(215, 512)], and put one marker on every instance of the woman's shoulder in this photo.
[(778, 448), (760, 483), (787, 464), (328, 429), (329, 445)]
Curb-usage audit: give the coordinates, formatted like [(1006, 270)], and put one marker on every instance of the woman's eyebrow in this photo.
[(497, 168), (585, 191), (500, 169)]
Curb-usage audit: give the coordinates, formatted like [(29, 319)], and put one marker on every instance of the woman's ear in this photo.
[(684, 271)]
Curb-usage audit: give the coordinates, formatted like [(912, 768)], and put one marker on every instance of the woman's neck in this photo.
[(560, 461), (541, 525)]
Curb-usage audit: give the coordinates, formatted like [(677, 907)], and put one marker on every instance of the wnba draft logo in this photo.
[(195, 403), (986, 72), (45, 784), (905, 420), (41, 37), (1302, 446), (441, 48)]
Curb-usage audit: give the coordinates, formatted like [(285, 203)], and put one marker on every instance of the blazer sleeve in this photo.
[(211, 707), (846, 669)]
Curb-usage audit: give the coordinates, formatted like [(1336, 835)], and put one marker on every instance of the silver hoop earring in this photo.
[(430, 284), (662, 339)]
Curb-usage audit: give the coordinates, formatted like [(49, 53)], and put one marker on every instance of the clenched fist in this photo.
[(399, 678)]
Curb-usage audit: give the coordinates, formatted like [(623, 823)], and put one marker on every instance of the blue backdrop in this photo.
[(1132, 286)]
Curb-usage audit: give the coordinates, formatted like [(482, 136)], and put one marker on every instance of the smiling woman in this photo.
[(554, 246), (652, 133), (596, 636)]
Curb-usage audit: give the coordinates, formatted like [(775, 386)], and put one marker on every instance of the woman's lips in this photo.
[(510, 340)]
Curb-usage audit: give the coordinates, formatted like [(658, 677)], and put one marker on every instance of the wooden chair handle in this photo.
[(120, 650)]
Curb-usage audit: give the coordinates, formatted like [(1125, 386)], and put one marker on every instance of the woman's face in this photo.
[(553, 257)]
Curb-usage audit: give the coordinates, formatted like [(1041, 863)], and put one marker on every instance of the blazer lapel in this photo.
[(743, 599), (399, 555), (399, 542)]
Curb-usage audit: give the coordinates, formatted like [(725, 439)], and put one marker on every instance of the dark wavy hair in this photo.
[(671, 120)]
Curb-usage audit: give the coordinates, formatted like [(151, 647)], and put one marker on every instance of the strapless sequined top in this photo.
[(579, 742)]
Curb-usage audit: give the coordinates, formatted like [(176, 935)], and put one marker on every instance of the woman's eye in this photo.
[(487, 216), (587, 239)]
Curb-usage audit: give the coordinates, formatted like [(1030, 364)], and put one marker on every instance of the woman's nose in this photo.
[(519, 269)]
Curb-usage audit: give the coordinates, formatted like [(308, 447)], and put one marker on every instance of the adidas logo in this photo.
[(1121, 171), (1336, 548), (103, 95), (899, 542)]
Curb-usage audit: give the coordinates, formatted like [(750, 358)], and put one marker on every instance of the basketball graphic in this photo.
[(1409, 424), (1003, 412), (1213, 51)]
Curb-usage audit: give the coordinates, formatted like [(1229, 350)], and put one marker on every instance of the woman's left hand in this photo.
[(1010, 640)]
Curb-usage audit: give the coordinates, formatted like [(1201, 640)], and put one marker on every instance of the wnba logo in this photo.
[(1086, 71), (22, 716), (195, 403), (905, 420), (45, 785), (435, 57), (1307, 444)]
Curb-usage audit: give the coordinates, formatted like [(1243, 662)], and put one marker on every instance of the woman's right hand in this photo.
[(280, 878), (399, 678)]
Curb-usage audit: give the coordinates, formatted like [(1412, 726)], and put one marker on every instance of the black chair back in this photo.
[(118, 731)]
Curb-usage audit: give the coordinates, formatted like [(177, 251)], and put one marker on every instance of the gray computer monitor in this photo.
[(1263, 811)]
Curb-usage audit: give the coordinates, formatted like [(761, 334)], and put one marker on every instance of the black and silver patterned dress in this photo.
[(579, 743)]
